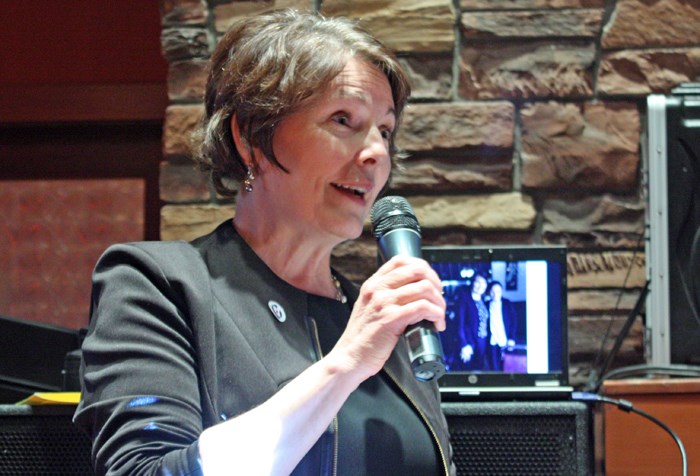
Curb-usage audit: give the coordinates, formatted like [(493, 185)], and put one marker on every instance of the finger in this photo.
[(401, 270), (424, 310), (413, 291)]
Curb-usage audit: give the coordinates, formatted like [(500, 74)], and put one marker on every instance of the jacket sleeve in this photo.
[(467, 333), (140, 394)]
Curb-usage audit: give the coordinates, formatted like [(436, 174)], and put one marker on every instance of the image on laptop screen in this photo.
[(506, 318)]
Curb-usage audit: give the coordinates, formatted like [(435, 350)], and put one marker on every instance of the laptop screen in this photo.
[(506, 317)]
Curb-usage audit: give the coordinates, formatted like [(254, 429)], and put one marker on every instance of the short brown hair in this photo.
[(264, 68)]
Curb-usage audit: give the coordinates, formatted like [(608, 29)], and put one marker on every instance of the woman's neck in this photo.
[(299, 259)]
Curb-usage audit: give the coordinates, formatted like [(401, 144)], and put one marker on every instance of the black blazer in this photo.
[(182, 336)]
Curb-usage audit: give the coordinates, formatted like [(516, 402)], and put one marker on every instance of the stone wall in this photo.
[(526, 126)]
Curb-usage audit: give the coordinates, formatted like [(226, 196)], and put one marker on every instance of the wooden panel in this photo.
[(81, 61), (52, 232), (636, 446), (90, 102), (87, 151), (79, 42), (67, 191)]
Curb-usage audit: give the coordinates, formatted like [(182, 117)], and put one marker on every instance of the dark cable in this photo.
[(627, 406), (595, 371), (672, 370), (621, 336)]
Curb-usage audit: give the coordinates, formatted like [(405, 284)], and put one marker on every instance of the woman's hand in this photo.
[(466, 354), (403, 291)]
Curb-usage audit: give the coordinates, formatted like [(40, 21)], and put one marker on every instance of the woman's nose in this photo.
[(375, 148)]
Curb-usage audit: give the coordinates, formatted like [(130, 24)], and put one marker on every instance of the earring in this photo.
[(248, 182)]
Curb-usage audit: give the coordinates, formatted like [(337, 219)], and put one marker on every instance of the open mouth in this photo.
[(356, 191)]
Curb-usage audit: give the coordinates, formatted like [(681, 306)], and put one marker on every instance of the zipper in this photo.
[(333, 427), (316, 343), (423, 417)]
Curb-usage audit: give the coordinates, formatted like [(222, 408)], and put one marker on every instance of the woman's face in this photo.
[(479, 285), (496, 292), (336, 149)]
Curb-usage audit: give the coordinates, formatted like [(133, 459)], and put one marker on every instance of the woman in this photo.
[(502, 323), (475, 319), (243, 352)]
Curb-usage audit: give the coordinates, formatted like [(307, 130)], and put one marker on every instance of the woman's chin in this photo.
[(347, 232)]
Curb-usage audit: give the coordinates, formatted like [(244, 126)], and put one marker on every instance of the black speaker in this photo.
[(32, 357), (42, 440), (672, 161), (521, 438)]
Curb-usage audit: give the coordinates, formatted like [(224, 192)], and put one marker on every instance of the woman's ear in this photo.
[(242, 145), (252, 156)]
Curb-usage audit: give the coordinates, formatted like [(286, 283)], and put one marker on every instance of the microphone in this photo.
[(396, 229)]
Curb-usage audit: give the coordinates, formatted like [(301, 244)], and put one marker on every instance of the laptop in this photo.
[(506, 335)]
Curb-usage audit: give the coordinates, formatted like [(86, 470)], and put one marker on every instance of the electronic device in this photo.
[(33, 357), (672, 162), (531, 360), (521, 437)]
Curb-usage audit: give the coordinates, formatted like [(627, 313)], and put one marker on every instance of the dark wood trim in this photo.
[(87, 151), (82, 102)]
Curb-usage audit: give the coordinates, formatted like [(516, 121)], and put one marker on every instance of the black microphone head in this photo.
[(391, 213)]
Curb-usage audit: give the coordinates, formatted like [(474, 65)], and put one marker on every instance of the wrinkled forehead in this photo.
[(362, 81)]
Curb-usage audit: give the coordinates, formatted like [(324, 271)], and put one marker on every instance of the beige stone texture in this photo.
[(183, 12), (225, 14), (180, 122), (497, 237), (488, 174), (184, 43), (356, 259), (531, 24), (593, 239), (607, 213), (606, 269), (403, 25), (653, 23), (499, 211), (528, 4), (428, 127), (601, 301), (586, 334), (589, 146), (646, 71), (187, 80), (430, 76), (187, 222), (179, 181), (524, 69)]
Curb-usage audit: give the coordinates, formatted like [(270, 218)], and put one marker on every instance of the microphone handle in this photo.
[(424, 346), (402, 241), (425, 351)]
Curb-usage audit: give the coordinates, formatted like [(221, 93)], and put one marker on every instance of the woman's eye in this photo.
[(342, 119), (386, 134)]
